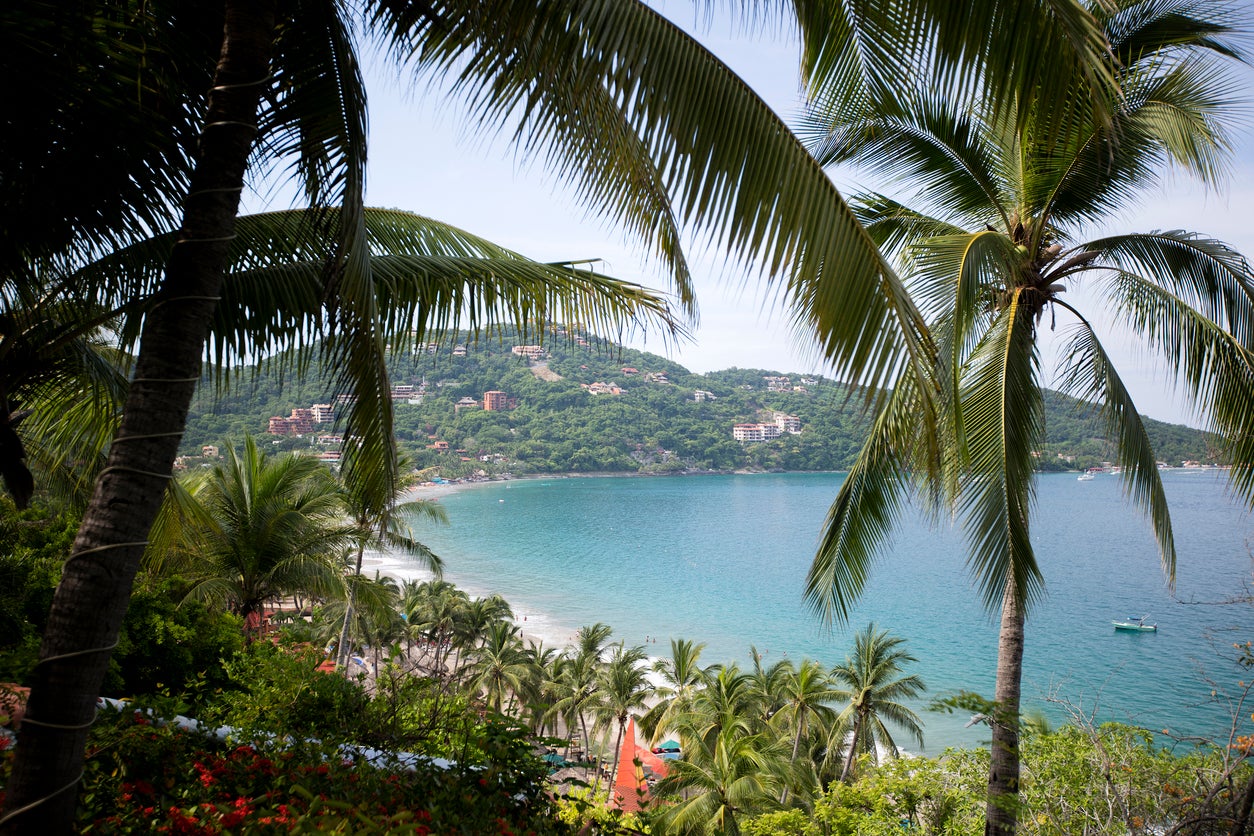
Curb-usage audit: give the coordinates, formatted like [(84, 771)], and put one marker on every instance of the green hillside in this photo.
[(657, 416)]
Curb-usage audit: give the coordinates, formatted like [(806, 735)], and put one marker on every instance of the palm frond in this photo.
[(860, 54), (1152, 29), (1207, 275), (1215, 369), (1089, 376), (866, 509), (723, 156), (1001, 411), (943, 152), (896, 228)]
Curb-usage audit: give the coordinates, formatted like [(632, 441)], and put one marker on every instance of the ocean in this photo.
[(722, 560)]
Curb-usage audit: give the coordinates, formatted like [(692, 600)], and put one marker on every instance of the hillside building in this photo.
[(755, 432)]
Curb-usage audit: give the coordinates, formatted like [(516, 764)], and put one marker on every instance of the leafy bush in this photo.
[(280, 691), (145, 778)]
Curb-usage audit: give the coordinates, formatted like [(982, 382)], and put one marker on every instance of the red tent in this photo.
[(631, 791)]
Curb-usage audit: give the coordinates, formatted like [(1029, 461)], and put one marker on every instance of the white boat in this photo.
[(1086, 477), (1136, 624)]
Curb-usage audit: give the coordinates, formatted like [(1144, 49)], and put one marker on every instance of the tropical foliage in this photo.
[(253, 530), (992, 239)]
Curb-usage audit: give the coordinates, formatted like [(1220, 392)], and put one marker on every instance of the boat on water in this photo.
[(1135, 625), (1085, 477)]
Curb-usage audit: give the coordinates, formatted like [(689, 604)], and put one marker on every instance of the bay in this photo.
[(722, 560)]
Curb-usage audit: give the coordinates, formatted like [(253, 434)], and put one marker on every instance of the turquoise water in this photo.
[(722, 559)]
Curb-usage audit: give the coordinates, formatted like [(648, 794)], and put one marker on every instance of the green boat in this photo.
[(1138, 626)]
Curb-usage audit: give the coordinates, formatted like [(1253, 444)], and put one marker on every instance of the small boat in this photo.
[(1137, 625), (1085, 477)]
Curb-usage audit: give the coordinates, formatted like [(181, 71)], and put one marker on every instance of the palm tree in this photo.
[(720, 779), (388, 525), (805, 693), (367, 613), (626, 102), (435, 607), (873, 686), (682, 676), (573, 685), (500, 667), (624, 688), (253, 529), (997, 239), (592, 639)]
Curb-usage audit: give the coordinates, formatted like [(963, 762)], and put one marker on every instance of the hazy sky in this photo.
[(426, 158)]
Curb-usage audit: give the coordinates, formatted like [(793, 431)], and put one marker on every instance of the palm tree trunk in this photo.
[(95, 588), (342, 651), (1001, 815), (847, 771), (796, 745), (618, 751)]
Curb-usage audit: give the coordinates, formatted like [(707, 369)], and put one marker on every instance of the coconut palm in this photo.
[(805, 693), (682, 676), (991, 240), (592, 639), (721, 779), (871, 681), (729, 700), (388, 526), (500, 667), (435, 607), (253, 529), (573, 686), (624, 688)]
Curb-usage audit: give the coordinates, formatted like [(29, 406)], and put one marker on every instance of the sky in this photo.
[(427, 157)]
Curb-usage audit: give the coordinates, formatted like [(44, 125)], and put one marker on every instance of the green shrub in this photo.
[(146, 778)]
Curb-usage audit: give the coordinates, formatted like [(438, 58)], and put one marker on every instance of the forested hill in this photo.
[(652, 415)]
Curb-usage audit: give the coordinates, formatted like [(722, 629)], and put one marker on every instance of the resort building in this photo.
[(495, 401), (323, 413), (788, 423), (701, 395), (755, 432), (630, 370), (531, 352), (210, 451), (776, 383), (300, 422), (600, 388), (403, 392), (465, 403), (459, 351)]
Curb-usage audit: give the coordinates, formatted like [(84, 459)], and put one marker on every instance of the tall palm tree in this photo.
[(253, 529), (658, 133), (871, 682), (682, 676), (573, 686), (720, 780), (624, 688), (500, 668), (389, 525), (995, 240), (435, 607), (806, 693)]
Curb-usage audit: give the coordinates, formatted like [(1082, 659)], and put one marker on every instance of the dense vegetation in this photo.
[(556, 425), (529, 734)]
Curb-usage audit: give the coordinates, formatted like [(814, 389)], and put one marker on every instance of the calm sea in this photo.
[(722, 560)]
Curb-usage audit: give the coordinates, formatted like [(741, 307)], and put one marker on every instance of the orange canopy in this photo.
[(630, 789)]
